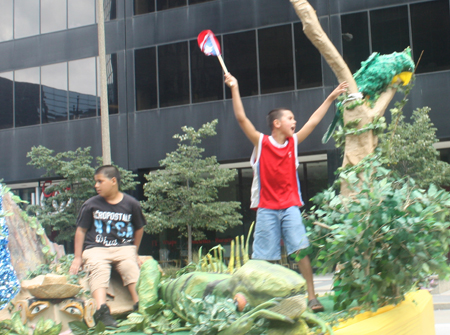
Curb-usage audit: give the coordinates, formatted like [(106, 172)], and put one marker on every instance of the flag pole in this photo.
[(222, 63)]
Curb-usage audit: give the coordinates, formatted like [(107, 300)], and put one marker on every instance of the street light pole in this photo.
[(106, 145)]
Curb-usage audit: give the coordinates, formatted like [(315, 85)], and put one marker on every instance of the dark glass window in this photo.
[(194, 2), (54, 92), (53, 16), (173, 74), (167, 4), (110, 11), (26, 97), (355, 39), (145, 79), (83, 98), (389, 29), (80, 12), (111, 84), (206, 75), (276, 64), (6, 97), (430, 22), (26, 18), (308, 62), (6, 20), (144, 6), (239, 52)]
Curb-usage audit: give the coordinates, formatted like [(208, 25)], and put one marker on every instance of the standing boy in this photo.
[(276, 188), (109, 231)]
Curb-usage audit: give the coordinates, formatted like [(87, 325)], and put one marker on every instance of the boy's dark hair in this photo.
[(273, 115), (110, 172)]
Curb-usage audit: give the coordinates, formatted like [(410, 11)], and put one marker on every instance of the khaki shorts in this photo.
[(100, 260)]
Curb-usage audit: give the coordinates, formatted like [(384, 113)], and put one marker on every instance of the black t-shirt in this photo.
[(110, 225)]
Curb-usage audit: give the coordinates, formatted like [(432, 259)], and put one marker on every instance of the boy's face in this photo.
[(286, 124), (104, 186)]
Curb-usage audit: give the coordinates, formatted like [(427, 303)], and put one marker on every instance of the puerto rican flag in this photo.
[(208, 43)]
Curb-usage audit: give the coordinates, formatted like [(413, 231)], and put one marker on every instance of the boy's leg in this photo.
[(100, 296), (128, 268), (267, 237), (99, 267), (294, 235), (133, 292)]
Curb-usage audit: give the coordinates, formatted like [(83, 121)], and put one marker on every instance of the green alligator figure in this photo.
[(259, 289)]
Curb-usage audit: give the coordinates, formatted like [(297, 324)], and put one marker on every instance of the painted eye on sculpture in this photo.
[(72, 310), (72, 307), (38, 307)]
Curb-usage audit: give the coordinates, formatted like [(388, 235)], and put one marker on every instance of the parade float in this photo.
[(384, 232)]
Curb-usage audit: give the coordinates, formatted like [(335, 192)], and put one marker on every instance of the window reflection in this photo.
[(430, 22), (111, 84), (83, 98), (145, 78), (389, 29), (206, 76), (173, 74), (54, 92), (26, 97), (6, 20), (6, 97), (26, 18), (144, 6), (307, 60), (355, 39), (110, 11), (167, 4), (53, 16), (239, 51), (80, 12), (275, 59)]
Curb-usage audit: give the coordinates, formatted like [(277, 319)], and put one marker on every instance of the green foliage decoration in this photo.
[(410, 151), (14, 326), (388, 236), (76, 173), (184, 194)]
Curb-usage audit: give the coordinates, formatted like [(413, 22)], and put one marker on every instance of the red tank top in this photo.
[(275, 180)]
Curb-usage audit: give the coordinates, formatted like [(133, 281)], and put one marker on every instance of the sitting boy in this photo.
[(109, 231)]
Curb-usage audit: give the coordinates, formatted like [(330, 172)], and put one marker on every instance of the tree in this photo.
[(184, 194), (363, 118), (409, 149), (388, 237), (59, 211)]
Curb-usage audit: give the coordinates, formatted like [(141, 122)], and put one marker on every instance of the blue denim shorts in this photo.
[(274, 225)]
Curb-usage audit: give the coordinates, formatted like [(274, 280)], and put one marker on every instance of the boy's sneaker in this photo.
[(104, 315)]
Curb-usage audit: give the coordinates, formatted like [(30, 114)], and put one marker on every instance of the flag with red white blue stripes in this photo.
[(208, 43)]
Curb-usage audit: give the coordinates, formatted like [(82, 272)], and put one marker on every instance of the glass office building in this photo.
[(158, 80)]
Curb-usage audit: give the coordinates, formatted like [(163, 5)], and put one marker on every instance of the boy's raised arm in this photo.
[(318, 115), (247, 127)]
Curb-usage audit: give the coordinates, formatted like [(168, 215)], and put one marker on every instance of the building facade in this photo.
[(159, 81)]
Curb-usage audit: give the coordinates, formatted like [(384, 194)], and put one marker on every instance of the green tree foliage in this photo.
[(184, 194), (75, 171), (409, 149), (388, 236)]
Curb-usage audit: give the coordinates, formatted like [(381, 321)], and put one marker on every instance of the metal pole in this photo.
[(106, 146)]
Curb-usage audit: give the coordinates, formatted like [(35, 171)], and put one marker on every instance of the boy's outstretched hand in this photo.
[(230, 81), (341, 88)]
